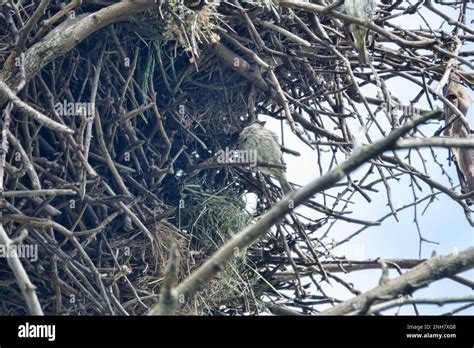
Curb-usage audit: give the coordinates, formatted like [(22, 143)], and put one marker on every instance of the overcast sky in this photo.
[(443, 222)]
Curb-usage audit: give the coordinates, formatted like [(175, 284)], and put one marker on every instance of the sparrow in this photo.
[(265, 143)]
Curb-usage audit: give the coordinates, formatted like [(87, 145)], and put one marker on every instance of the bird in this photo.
[(361, 9), (264, 142), (458, 126)]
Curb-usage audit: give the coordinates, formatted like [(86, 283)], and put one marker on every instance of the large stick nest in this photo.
[(170, 92)]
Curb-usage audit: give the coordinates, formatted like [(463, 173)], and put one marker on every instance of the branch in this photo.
[(421, 276), (251, 233), (167, 304), (305, 6), (435, 142), (26, 286), (420, 300), (66, 36), (25, 108)]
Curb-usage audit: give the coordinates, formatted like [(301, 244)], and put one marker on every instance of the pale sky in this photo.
[(443, 222)]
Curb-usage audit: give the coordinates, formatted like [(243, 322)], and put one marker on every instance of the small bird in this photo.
[(361, 9), (458, 127), (265, 143)]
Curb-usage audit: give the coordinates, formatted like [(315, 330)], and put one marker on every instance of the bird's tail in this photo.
[(285, 186), (361, 48), (363, 54), (465, 163)]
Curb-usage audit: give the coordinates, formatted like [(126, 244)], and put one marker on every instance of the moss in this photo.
[(212, 218)]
